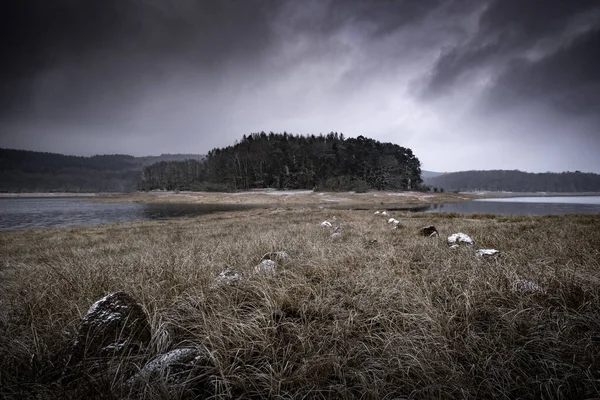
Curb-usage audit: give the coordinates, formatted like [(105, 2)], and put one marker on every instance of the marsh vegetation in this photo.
[(376, 312)]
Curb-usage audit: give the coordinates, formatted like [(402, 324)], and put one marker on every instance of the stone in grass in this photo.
[(458, 238), (265, 267), (326, 224), (523, 286), (227, 277), (337, 233), (277, 256), (113, 324), (487, 252), (177, 367), (429, 231)]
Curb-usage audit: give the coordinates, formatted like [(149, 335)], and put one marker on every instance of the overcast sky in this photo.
[(497, 84)]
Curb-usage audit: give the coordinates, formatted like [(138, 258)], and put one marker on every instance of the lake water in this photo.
[(25, 213), (555, 205)]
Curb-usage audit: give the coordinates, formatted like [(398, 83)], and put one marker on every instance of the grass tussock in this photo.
[(376, 313)]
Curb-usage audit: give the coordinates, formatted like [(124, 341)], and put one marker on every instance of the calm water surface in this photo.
[(525, 206), (25, 213)]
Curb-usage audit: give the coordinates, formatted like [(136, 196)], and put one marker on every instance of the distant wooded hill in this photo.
[(430, 174), (516, 181), (285, 161), (31, 171)]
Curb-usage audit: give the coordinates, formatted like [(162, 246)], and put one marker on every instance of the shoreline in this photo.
[(288, 198)]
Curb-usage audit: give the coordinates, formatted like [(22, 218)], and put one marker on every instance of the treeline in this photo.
[(31, 171), (286, 161), (517, 181)]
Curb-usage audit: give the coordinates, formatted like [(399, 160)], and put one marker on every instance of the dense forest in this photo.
[(286, 161), (516, 181), (31, 171)]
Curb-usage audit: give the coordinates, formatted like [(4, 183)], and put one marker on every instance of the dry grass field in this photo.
[(377, 313), (288, 197)]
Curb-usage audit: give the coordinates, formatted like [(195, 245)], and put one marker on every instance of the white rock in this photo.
[(457, 238), (227, 277), (393, 221), (523, 286), (276, 256), (454, 246), (384, 213), (376, 212), (326, 224), (337, 233), (265, 266), (487, 252)]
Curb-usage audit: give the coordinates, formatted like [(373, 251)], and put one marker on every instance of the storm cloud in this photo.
[(465, 84)]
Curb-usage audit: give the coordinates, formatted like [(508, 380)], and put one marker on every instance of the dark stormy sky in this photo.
[(466, 84)]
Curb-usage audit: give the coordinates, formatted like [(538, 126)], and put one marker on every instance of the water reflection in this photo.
[(506, 207), (25, 213), (168, 211)]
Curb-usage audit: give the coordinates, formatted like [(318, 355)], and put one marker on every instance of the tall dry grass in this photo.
[(378, 313)]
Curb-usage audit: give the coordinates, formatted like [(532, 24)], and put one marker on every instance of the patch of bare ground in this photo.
[(374, 312)]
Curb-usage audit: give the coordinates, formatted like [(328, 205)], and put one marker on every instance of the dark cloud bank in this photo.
[(465, 84)]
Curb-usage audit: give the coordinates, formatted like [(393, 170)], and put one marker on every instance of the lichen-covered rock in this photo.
[(177, 367), (277, 256), (265, 267), (487, 252), (227, 277), (458, 238), (337, 233), (114, 323), (428, 231), (523, 286)]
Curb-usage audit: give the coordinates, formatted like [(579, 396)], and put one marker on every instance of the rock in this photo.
[(326, 224), (487, 252), (227, 277), (114, 323), (173, 368), (523, 286), (384, 213), (393, 221), (428, 231), (265, 266), (277, 256), (337, 233), (458, 238), (376, 212), (454, 246)]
